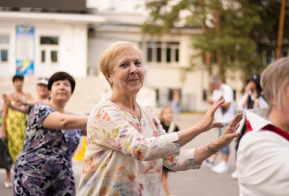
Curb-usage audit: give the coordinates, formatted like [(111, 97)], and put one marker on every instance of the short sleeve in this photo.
[(262, 103), (38, 114), (240, 103), (228, 94)]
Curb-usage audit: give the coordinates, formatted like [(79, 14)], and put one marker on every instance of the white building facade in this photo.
[(56, 42), (74, 42)]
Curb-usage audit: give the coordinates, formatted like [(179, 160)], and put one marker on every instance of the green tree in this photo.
[(247, 29)]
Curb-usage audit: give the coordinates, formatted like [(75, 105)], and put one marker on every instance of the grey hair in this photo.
[(214, 79), (273, 80)]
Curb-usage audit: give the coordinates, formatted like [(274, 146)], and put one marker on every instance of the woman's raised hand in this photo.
[(207, 122), (230, 132)]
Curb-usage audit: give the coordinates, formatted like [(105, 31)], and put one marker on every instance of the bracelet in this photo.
[(211, 150)]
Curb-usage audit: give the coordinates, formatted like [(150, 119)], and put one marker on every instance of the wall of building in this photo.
[(72, 48)]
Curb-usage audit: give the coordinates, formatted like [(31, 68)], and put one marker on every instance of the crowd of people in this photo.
[(129, 150)]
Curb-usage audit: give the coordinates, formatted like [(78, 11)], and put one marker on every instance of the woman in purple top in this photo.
[(44, 166)]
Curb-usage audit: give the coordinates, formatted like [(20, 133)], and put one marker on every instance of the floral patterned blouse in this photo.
[(125, 156), (46, 153)]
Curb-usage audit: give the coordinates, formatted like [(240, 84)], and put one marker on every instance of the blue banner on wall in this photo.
[(25, 47)]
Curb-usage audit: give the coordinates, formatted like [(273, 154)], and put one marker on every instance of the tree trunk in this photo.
[(281, 29), (205, 29), (222, 73)]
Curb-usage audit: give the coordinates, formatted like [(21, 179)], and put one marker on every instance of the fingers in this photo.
[(218, 125), (236, 134), (236, 120), (237, 126), (217, 104)]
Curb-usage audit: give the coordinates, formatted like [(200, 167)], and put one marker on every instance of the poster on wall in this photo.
[(25, 49)]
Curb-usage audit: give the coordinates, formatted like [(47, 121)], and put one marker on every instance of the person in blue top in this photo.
[(44, 165)]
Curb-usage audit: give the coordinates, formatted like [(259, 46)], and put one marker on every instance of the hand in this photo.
[(207, 122), (256, 103), (19, 101), (229, 133), (7, 101), (3, 135), (247, 89)]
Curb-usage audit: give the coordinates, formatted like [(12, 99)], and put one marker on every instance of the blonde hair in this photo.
[(107, 59), (162, 112), (273, 80)]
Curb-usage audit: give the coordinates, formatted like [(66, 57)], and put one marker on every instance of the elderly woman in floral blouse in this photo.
[(126, 144)]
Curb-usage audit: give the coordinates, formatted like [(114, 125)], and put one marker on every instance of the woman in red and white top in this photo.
[(263, 155)]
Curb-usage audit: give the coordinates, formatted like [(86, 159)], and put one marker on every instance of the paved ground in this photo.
[(202, 182)]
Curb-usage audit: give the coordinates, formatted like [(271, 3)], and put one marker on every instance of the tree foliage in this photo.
[(249, 28)]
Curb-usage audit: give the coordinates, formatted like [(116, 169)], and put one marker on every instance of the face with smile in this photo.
[(60, 91), (127, 74)]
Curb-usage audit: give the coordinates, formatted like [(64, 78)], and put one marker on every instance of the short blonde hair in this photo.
[(107, 59), (273, 80)]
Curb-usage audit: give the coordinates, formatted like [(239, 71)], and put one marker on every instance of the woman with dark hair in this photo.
[(44, 166), (253, 96), (14, 124)]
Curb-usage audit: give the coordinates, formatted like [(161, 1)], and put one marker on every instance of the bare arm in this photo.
[(226, 105), (59, 121), (32, 103), (3, 125), (21, 108), (210, 101), (244, 104), (205, 124)]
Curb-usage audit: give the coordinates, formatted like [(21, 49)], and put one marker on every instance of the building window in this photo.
[(4, 39), (166, 52), (177, 55), (149, 54), (43, 56), (48, 40), (159, 54), (4, 55), (168, 55), (49, 48), (53, 56), (4, 48)]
